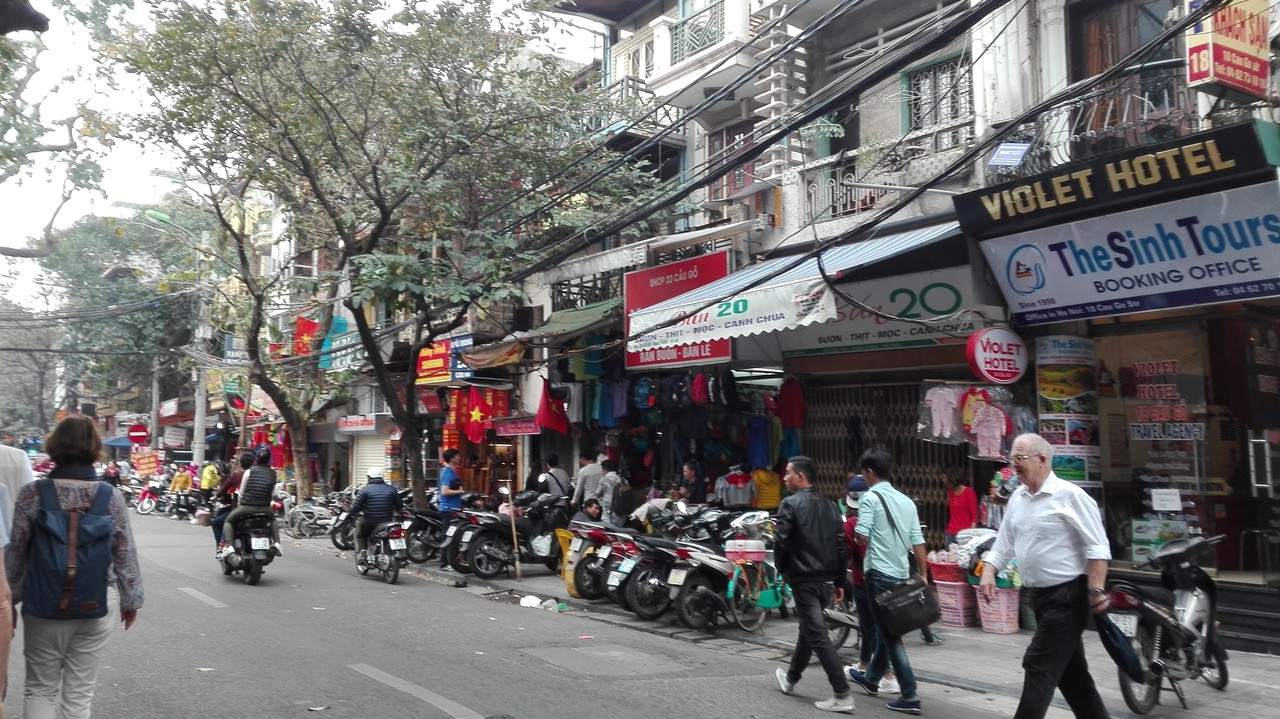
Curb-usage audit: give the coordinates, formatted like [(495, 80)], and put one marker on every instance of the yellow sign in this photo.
[(1230, 49)]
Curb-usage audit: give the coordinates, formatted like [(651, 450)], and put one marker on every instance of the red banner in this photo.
[(304, 333), (646, 288)]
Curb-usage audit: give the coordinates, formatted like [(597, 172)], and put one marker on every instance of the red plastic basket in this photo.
[(946, 572), (1000, 615)]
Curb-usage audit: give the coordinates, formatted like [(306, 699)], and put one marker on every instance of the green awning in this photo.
[(560, 326)]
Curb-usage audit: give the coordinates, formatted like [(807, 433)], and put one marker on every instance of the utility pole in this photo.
[(200, 431), (155, 402)]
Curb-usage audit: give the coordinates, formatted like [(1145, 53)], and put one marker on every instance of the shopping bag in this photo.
[(907, 606)]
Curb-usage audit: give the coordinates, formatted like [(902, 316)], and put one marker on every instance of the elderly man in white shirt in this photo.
[(1054, 530)]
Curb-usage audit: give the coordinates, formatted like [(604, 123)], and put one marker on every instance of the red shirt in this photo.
[(963, 509), (855, 551)]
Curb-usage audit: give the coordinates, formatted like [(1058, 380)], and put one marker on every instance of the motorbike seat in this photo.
[(658, 542), (428, 514), (524, 526), (383, 527), (1159, 595)]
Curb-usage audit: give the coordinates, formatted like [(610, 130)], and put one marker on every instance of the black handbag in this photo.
[(910, 604)]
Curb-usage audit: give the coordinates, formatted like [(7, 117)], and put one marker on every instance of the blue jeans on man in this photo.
[(890, 650)]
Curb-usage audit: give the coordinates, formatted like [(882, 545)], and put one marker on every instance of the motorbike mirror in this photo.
[(503, 491), (682, 507)]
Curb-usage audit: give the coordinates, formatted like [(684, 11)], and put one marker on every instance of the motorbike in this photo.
[(1173, 627), (588, 555), (151, 498), (489, 549), (699, 585), (342, 531), (425, 531), (648, 591), (251, 549), (387, 552), (308, 520)]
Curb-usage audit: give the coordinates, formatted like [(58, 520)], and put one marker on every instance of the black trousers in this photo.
[(810, 598), (1055, 658)]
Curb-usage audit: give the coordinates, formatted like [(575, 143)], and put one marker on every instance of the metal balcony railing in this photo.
[(827, 195), (697, 32), (631, 99)]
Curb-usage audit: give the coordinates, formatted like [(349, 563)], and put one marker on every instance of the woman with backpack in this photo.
[(67, 617)]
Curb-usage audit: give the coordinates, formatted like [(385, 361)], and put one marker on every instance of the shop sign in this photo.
[(357, 424), (920, 296), (1221, 247), (646, 288), (997, 355), (1230, 50), (439, 362), (515, 427), (174, 436), (457, 345), (1116, 181), (342, 352), (234, 349), (169, 407), (1067, 403), (144, 461)]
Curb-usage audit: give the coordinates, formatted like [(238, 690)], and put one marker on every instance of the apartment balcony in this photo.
[(684, 48), (805, 12), (1149, 107), (630, 99)]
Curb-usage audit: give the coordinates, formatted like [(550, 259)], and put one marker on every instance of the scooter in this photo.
[(251, 549), (386, 552), (489, 549), (1173, 627), (588, 555), (151, 498)]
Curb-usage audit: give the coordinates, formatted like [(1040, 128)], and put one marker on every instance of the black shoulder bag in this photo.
[(910, 604)]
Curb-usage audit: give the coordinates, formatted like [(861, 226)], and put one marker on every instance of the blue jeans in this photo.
[(889, 649), (866, 626), (216, 523), (810, 598)]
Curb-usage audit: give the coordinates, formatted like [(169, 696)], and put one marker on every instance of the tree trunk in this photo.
[(300, 436), (411, 460)]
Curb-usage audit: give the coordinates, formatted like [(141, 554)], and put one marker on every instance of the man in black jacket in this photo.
[(379, 501), (810, 552), (255, 497)]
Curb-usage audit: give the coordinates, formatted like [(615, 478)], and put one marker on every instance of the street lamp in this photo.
[(202, 336)]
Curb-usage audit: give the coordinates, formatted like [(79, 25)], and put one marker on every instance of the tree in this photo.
[(28, 375), (407, 141)]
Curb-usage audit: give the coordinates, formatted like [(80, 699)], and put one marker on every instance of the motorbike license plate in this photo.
[(676, 577), (466, 536), (615, 578), (576, 544), (452, 528), (604, 552), (260, 543), (626, 566), (1128, 623), (397, 544)]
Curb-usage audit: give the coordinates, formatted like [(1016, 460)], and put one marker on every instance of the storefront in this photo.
[(1173, 291), (369, 436)]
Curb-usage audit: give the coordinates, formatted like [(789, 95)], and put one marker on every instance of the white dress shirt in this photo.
[(1052, 533)]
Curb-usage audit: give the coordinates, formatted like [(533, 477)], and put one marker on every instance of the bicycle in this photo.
[(755, 589)]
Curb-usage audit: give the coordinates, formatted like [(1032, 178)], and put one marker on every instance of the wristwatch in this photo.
[(1097, 592)]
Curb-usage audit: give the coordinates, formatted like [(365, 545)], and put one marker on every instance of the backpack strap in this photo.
[(48, 495), (102, 500), (73, 525)]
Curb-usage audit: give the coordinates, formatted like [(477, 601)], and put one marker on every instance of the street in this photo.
[(316, 639)]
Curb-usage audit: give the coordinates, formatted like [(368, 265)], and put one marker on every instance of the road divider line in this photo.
[(452, 708), (203, 597)]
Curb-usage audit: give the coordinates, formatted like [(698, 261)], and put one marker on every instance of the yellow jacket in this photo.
[(209, 478), (181, 482)]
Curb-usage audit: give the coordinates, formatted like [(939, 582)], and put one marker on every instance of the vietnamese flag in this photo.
[(551, 412), (303, 333), (478, 412)]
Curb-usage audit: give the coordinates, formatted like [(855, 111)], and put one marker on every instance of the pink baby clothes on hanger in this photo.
[(942, 402), (989, 424)]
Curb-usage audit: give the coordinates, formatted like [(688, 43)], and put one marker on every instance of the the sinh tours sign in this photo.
[(1229, 51)]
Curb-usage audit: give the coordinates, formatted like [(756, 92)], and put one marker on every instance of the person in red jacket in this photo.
[(962, 504)]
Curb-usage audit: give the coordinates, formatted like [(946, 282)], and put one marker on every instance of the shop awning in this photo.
[(665, 243), (779, 294), (562, 325)]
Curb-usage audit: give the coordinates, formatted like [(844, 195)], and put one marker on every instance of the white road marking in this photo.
[(453, 709), (203, 597)]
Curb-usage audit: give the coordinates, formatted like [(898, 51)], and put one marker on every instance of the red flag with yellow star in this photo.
[(304, 332), (479, 411)]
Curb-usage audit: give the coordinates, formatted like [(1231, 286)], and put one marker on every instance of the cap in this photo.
[(855, 488), (374, 473)]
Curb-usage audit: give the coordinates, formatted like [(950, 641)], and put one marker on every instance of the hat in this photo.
[(855, 488), (374, 473)]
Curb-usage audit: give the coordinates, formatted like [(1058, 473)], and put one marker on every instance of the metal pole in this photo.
[(202, 391), (155, 402)]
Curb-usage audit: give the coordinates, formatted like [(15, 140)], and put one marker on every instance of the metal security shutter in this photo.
[(842, 422), (368, 451)]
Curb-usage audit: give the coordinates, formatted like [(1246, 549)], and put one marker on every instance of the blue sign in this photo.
[(458, 345), (1009, 154)]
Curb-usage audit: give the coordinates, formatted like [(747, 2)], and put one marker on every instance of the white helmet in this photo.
[(374, 473)]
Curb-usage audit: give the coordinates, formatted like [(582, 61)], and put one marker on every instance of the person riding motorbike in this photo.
[(255, 496), (380, 502), (227, 497)]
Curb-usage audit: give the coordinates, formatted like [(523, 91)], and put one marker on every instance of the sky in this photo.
[(129, 169)]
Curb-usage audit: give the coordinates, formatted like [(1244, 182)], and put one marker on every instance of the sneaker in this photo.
[(905, 706), (836, 704), (889, 685), (857, 677), (446, 568), (276, 550), (931, 638), (787, 686)]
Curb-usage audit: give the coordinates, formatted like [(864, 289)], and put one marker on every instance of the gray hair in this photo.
[(1035, 444)]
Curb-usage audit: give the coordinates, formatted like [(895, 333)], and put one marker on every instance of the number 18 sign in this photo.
[(1229, 50)]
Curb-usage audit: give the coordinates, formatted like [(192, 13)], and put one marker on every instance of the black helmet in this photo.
[(262, 455)]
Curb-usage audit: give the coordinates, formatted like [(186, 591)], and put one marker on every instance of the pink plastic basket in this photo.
[(959, 618), (1000, 615), (956, 595)]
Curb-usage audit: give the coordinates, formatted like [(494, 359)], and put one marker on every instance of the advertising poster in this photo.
[(646, 288), (1067, 401)]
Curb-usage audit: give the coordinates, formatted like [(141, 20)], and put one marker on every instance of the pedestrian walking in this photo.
[(854, 489), (1054, 530), (809, 551), (589, 474), (6, 603), (887, 563), (63, 655)]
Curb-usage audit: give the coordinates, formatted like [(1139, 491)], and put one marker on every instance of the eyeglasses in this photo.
[(1020, 457)]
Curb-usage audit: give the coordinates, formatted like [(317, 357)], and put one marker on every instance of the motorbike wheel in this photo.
[(253, 573), (838, 632), (422, 547), (146, 506), (338, 537), (742, 606), (553, 563), (693, 608), (293, 527), (1216, 676), (588, 578), (364, 568), (1142, 697), (458, 560), (392, 572), (648, 595), (483, 565), (226, 569)]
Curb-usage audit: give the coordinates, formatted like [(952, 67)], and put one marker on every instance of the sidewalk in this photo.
[(970, 660)]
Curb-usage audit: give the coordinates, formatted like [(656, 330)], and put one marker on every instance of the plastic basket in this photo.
[(744, 550), (959, 618), (958, 603), (946, 572), (1000, 615)]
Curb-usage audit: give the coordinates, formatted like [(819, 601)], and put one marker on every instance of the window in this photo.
[(940, 97), (722, 147), (304, 264)]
